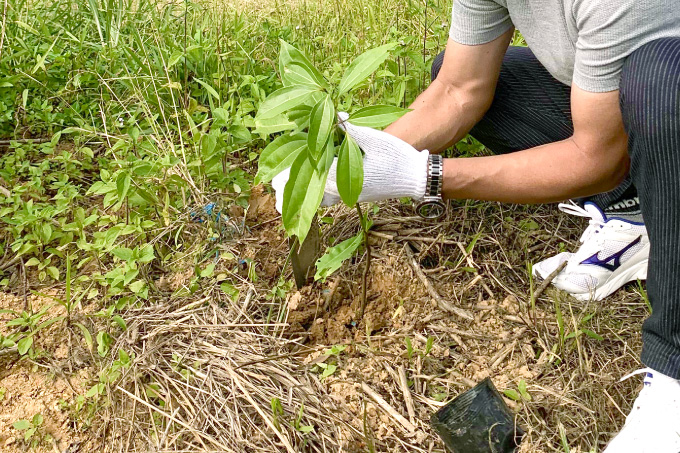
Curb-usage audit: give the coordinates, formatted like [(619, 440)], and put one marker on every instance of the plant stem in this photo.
[(364, 277)]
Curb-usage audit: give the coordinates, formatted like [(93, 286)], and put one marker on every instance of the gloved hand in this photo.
[(392, 168)]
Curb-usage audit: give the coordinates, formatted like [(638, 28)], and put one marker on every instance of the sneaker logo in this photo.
[(615, 258), (625, 205)]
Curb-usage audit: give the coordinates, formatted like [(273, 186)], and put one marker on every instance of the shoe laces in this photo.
[(595, 224)]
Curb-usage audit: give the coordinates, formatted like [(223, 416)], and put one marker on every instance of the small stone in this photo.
[(10, 441)]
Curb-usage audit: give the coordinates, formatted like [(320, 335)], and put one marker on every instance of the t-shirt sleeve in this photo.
[(609, 31), (476, 22)]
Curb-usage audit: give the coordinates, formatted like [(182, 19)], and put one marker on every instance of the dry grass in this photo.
[(208, 367)]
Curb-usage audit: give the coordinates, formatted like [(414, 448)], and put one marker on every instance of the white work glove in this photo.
[(392, 168)]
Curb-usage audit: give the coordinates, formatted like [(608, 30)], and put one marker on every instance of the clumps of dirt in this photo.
[(328, 312), (261, 205)]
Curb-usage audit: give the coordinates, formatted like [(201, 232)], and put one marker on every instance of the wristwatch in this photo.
[(432, 205)]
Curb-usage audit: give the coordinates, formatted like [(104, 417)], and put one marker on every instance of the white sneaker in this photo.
[(613, 252), (653, 425)]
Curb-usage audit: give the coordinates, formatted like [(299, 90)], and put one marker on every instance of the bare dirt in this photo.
[(33, 387)]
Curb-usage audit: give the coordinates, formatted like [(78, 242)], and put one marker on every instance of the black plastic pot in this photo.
[(478, 421)]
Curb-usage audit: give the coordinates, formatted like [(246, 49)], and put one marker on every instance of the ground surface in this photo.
[(571, 384)]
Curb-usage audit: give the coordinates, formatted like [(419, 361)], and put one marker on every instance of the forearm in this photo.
[(457, 99), (440, 117), (544, 174)]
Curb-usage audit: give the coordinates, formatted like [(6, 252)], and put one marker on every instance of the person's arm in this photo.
[(593, 160), (457, 99)]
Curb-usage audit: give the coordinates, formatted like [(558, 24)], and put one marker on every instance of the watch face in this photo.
[(431, 209)]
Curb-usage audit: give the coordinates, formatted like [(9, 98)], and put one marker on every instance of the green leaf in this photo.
[(296, 74), (137, 286), (377, 115), (512, 394), (209, 271), (94, 391), (289, 56), (87, 335), (300, 115), (302, 196), (279, 123), (522, 386), (103, 343), (350, 176), (53, 271), (325, 162), (282, 100), (363, 66), (24, 345), (335, 256), (120, 322), (320, 126), (209, 89), (21, 425), (592, 334), (123, 185), (38, 420), (279, 155), (122, 253), (29, 433), (329, 370)]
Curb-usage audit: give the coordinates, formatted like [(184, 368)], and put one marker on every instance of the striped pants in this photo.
[(531, 108)]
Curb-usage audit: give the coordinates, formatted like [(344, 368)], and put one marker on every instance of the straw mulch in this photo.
[(448, 305)]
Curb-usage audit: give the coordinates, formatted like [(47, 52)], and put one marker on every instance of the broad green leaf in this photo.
[(326, 160), (295, 74), (284, 99), (21, 425), (279, 123), (335, 256), (279, 155), (363, 66), (302, 196), (377, 115), (300, 115), (122, 253), (350, 176), (320, 126), (290, 55), (24, 345)]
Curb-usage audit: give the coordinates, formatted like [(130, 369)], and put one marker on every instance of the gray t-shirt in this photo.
[(579, 41)]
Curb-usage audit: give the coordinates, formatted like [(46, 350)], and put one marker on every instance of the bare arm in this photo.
[(593, 160), (445, 112)]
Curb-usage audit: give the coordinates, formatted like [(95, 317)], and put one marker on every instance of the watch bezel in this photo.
[(428, 203)]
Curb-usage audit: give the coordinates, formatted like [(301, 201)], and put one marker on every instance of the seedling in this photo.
[(305, 110), (30, 429)]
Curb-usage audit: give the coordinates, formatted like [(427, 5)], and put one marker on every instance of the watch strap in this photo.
[(435, 176)]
